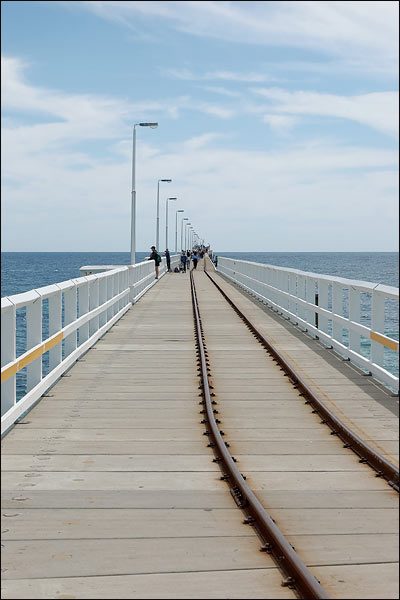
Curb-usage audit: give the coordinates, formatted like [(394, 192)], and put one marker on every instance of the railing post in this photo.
[(293, 305), (93, 303), (102, 299), (55, 325), (69, 317), (132, 281), (337, 309), (33, 338), (110, 292), (301, 294), (83, 293), (354, 315), (323, 303), (8, 388), (378, 325)]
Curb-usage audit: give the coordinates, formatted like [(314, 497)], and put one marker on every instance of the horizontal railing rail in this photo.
[(358, 319), (141, 276), (44, 331)]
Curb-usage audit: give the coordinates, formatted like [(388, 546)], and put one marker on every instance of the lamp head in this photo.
[(181, 210), (165, 180), (172, 198), (152, 125)]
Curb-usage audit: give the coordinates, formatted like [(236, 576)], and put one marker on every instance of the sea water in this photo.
[(23, 271)]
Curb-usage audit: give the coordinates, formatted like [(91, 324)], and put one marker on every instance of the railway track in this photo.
[(110, 491), (301, 570)]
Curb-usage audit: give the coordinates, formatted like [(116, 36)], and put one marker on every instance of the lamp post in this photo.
[(186, 224), (176, 228), (183, 219), (158, 211), (133, 193), (166, 221)]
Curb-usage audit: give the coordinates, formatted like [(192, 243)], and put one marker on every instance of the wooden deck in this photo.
[(109, 489)]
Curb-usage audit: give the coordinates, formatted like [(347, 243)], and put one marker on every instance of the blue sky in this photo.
[(278, 123)]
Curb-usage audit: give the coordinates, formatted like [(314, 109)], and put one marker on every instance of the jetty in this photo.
[(231, 432)]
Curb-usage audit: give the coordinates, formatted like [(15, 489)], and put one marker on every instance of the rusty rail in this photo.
[(297, 575), (351, 440)]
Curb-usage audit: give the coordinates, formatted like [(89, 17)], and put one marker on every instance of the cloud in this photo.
[(200, 141), (377, 110), (280, 123), (363, 31), (221, 90), (187, 75), (55, 181)]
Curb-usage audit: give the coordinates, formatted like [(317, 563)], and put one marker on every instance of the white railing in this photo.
[(141, 275), (44, 331), (353, 317)]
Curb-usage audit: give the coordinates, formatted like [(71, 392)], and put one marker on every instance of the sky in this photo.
[(278, 124)]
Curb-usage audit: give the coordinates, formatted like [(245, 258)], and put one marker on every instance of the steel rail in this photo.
[(351, 440), (297, 575)]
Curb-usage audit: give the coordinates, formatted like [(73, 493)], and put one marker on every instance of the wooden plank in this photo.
[(263, 583), (63, 558), (114, 463), (137, 523), (361, 581)]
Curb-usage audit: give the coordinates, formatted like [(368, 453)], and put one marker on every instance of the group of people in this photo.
[(186, 257)]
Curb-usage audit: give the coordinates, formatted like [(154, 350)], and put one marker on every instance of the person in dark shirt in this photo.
[(183, 261), (195, 258), (168, 257), (157, 260)]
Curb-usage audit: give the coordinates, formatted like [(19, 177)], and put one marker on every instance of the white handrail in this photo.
[(345, 314), (76, 313)]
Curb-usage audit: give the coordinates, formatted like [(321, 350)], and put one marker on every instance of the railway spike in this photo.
[(249, 520), (288, 582)]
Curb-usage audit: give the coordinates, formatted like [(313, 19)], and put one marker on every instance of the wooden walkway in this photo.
[(109, 489)]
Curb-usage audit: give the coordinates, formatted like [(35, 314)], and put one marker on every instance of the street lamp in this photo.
[(176, 229), (183, 219), (133, 193), (186, 224), (158, 211), (166, 221), (191, 230)]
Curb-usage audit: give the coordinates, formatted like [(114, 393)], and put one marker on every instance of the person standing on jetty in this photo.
[(183, 261), (157, 260), (168, 257), (195, 258)]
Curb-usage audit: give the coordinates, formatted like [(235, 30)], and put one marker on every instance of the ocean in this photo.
[(23, 271)]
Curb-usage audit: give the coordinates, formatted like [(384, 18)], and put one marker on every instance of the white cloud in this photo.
[(221, 90), (280, 123), (200, 141), (377, 110), (366, 31), (251, 77), (58, 196)]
